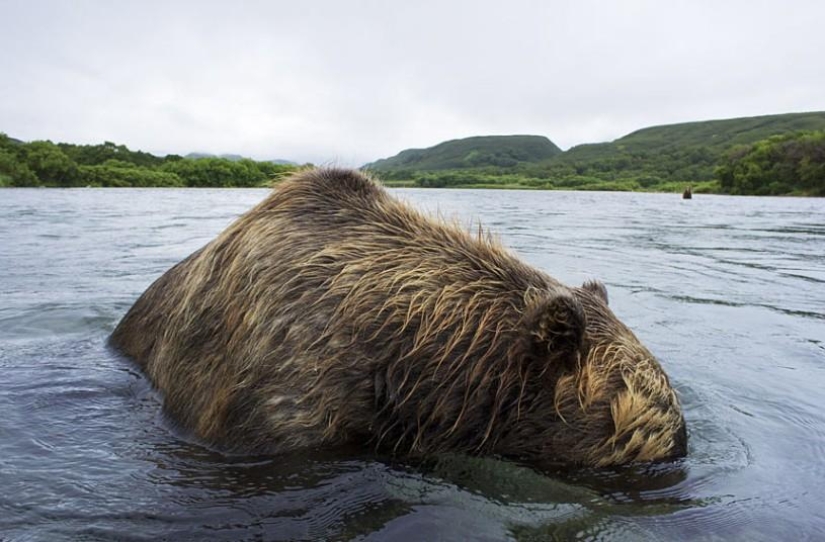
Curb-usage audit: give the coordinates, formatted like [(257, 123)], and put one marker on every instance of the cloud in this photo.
[(349, 82)]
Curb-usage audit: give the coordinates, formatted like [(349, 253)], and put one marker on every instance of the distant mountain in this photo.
[(236, 157), (196, 155), (283, 162), (472, 152)]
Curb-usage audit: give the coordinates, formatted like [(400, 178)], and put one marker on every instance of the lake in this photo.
[(728, 292)]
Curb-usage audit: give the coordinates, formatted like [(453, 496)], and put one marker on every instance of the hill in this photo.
[(676, 153), (471, 152), (714, 135), (664, 158)]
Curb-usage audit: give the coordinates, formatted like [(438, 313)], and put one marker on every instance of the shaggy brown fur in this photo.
[(332, 313)]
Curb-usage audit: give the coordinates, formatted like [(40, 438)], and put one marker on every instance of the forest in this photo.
[(719, 156), (47, 164), (789, 164), (770, 155), (785, 164)]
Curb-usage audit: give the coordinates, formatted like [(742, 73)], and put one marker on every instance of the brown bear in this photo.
[(332, 314)]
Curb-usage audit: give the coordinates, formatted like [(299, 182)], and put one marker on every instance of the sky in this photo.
[(348, 82)]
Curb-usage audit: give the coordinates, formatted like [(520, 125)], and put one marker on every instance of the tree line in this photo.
[(789, 164), (783, 164), (48, 164)]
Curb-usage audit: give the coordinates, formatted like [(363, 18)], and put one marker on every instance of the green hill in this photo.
[(676, 153), (662, 158), (471, 152), (774, 154), (713, 135)]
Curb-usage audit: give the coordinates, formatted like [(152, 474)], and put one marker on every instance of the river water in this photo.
[(728, 292)]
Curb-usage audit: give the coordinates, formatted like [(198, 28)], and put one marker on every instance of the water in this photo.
[(728, 292)]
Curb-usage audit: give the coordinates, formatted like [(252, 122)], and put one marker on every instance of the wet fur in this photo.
[(332, 313)]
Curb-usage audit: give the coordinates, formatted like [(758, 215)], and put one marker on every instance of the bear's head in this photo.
[(595, 396)]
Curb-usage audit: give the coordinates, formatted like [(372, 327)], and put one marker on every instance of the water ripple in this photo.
[(726, 291)]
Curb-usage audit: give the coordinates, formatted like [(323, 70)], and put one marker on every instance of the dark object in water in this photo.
[(687, 194), (334, 314)]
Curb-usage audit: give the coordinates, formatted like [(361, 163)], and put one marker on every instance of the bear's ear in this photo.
[(597, 288), (555, 327)]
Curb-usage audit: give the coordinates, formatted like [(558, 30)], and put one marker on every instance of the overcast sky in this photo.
[(347, 82)]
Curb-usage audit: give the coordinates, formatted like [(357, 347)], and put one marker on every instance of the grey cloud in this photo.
[(349, 82)]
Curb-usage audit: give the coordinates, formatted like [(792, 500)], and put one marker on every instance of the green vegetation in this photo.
[(784, 164), (472, 152), (777, 155), (661, 158), (43, 163)]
